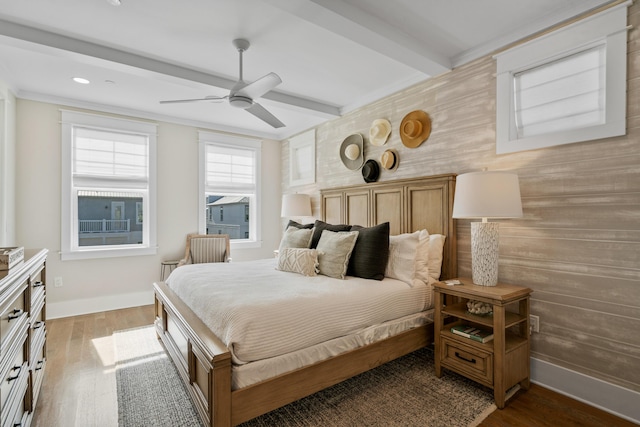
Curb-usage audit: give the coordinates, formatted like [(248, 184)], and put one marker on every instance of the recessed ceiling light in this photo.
[(81, 80), (114, 2)]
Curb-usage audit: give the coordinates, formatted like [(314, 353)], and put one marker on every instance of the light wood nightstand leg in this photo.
[(437, 326), (499, 349)]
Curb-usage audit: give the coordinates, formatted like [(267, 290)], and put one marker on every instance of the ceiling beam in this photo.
[(369, 31), (93, 50)]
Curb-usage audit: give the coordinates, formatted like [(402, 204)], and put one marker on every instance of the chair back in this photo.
[(204, 248)]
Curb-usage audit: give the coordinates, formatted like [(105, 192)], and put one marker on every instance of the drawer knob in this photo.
[(459, 356), (39, 365), (39, 324), (38, 283), (15, 377), (15, 313)]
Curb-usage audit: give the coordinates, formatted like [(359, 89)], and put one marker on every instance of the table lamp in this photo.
[(486, 195), (296, 205)]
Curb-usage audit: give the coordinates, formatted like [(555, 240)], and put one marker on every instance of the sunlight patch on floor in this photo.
[(104, 348)]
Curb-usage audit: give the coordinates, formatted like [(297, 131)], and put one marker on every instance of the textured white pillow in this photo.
[(296, 238), (298, 260), (402, 257), (421, 275), (436, 244), (334, 250)]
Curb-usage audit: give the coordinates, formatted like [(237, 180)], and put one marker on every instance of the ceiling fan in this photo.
[(242, 94)]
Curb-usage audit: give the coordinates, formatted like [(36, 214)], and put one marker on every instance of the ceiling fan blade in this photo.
[(261, 86), (260, 112), (206, 98)]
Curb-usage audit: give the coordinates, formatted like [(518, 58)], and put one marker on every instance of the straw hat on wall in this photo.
[(415, 128)]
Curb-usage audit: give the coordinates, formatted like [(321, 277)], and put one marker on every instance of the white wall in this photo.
[(106, 284)]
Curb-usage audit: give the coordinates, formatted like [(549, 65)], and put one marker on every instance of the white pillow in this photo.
[(296, 238), (334, 250), (298, 260), (402, 257), (422, 259), (436, 245)]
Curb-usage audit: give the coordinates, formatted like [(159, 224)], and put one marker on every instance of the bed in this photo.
[(210, 368)]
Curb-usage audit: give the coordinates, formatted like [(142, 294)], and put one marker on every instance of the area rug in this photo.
[(150, 392), (404, 392)]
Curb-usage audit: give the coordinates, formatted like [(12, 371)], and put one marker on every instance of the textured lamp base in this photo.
[(484, 253)]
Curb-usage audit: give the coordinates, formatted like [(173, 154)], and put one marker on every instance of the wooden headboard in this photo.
[(408, 204)]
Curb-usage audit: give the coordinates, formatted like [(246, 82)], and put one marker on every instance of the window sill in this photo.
[(106, 253)]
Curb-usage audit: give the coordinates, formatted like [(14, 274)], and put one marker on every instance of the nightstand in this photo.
[(500, 363)]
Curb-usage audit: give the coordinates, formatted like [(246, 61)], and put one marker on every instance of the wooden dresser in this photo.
[(22, 338)]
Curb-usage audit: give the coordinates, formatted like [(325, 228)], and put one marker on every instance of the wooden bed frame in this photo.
[(204, 362)]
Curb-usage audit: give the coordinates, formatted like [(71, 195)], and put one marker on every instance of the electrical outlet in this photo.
[(534, 323), (57, 282)]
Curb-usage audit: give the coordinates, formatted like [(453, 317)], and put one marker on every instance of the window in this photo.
[(567, 86), (108, 186), (229, 167)]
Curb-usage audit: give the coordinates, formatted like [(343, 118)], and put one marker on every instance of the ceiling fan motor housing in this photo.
[(242, 102)]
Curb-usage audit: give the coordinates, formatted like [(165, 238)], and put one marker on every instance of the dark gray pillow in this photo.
[(320, 226), (295, 224), (371, 253)]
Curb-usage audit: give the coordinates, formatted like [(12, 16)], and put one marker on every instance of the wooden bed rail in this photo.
[(203, 361)]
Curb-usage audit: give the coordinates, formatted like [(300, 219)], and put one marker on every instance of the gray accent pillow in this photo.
[(296, 224), (334, 251), (319, 226), (296, 238)]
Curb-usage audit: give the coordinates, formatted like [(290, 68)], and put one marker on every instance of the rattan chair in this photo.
[(202, 248)]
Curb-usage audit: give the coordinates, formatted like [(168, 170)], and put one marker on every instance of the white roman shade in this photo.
[(568, 93), (106, 158), (230, 170)]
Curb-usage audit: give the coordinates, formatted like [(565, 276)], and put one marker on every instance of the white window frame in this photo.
[(608, 28), (223, 140), (70, 250)]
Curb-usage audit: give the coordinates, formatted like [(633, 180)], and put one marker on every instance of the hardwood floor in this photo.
[(79, 386)]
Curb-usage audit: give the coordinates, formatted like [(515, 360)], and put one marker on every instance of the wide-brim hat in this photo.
[(379, 132), (390, 160), (370, 171), (351, 151), (415, 128)]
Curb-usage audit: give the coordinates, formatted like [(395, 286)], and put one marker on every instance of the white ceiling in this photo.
[(333, 56)]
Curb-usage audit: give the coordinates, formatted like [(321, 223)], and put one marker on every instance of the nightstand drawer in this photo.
[(467, 360)]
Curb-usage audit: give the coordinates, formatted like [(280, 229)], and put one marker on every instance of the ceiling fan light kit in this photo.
[(242, 95)]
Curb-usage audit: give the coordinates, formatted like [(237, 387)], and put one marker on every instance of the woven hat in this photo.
[(370, 171), (351, 152), (415, 128), (379, 132), (390, 160)]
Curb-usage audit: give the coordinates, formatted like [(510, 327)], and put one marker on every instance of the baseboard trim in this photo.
[(56, 310), (611, 398)]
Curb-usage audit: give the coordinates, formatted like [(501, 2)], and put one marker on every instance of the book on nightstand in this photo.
[(472, 332)]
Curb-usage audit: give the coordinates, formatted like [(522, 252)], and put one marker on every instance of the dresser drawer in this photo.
[(13, 410), (12, 317), (467, 360)]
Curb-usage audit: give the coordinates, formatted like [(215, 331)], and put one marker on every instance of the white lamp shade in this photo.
[(296, 205), (492, 194)]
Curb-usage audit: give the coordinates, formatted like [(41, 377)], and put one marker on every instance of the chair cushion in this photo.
[(208, 249)]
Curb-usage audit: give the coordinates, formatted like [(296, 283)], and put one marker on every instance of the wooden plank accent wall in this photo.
[(578, 244)]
